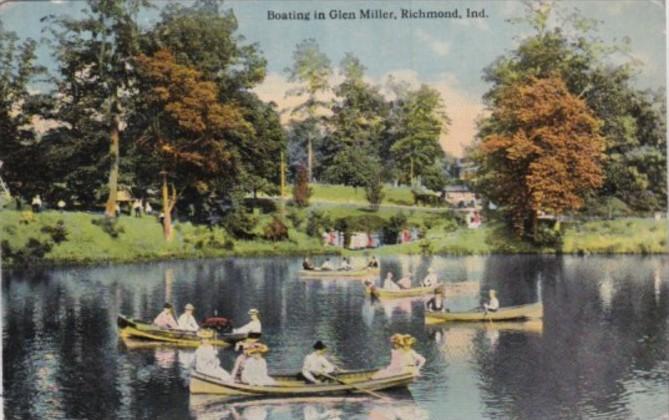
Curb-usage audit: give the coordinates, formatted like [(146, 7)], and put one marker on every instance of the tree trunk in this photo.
[(167, 212), (309, 159), (535, 225), (114, 151)]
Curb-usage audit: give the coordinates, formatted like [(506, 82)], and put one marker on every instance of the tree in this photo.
[(187, 128), (545, 155), (311, 68), (350, 152), (18, 146), (96, 83), (301, 189), (632, 120), (374, 192), (417, 122)]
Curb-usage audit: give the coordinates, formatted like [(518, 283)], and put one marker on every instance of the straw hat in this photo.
[(204, 333), (408, 340), (189, 307), (493, 292), (256, 348), (396, 338), (254, 311)]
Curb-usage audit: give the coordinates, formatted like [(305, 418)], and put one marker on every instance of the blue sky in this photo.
[(448, 54)]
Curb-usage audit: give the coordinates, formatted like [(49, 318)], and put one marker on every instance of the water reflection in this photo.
[(601, 349)]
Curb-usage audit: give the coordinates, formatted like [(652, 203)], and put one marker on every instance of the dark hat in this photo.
[(254, 335), (167, 306), (319, 345)]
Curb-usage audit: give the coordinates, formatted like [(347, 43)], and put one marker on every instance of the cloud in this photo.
[(440, 48), (463, 109)]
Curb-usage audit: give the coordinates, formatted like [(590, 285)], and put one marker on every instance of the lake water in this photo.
[(601, 351)]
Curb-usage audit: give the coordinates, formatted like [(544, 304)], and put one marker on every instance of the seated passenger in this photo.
[(395, 366), (327, 265), (389, 284), (431, 279), (493, 304), (165, 319), (255, 367), (206, 359), (252, 326), (186, 321), (307, 265), (405, 282)]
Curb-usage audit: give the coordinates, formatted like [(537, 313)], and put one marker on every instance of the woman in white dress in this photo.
[(255, 367)]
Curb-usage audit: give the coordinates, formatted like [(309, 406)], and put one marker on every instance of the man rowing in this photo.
[(307, 265), (316, 364), (436, 302), (165, 318)]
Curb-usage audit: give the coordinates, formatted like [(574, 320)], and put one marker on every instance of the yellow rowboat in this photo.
[(510, 313), (317, 274), (530, 326), (138, 334), (290, 386), (402, 293)]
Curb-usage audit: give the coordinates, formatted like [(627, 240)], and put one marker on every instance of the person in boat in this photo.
[(389, 283), (206, 358), (405, 281), (373, 263), (436, 302), (345, 265), (251, 338), (252, 326), (255, 367), (395, 366), (316, 365), (165, 319), (186, 321), (410, 360), (307, 265), (493, 304), (431, 279), (327, 265)]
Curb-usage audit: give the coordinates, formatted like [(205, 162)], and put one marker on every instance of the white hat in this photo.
[(189, 307), (253, 311)]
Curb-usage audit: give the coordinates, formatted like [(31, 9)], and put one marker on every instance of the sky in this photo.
[(447, 54)]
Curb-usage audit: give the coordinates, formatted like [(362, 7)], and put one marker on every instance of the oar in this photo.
[(366, 391)]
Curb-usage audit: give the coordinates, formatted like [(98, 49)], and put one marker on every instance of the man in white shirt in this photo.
[(186, 321), (252, 326), (493, 303), (315, 364)]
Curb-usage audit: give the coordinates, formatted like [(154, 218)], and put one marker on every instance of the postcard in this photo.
[(342, 209)]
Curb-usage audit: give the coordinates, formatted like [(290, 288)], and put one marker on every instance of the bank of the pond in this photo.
[(54, 238)]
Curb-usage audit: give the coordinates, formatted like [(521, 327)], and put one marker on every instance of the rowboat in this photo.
[(510, 313), (290, 386), (402, 293), (530, 326), (135, 333), (338, 273)]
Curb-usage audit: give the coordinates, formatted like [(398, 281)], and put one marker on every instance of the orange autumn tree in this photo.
[(541, 151), (188, 129)]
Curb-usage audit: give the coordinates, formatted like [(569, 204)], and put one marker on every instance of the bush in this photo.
[(239, 223), (301, 190), (393, 228), (29, 255), (58, 232), (548, 236), (450, 225), (109, 226), (265, 205), (275, 230), (295, 218), (317, 223), (374, 193)]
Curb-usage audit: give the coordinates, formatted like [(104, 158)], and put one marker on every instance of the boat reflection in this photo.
[(402, 406)]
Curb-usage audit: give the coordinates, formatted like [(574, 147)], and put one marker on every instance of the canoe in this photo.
[(531, 326), (510, 313), (335, 273), (133, 332), (393, 294), (290, 386)]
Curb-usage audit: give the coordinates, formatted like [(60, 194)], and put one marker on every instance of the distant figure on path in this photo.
[(148, 209), (37, 204), (165, 319), (137, 208), (61, 205)]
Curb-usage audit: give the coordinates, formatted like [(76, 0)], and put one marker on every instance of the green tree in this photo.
[(312, 70), (418, 120), (95, 86), (18, 148), (301, 189)]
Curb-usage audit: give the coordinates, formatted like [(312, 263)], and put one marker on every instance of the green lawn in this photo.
[(344, 194)]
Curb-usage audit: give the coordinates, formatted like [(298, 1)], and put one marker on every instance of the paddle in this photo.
[(366, 391)]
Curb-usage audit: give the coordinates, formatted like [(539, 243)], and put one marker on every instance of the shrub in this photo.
[(58, 232), (295, 218), (301, 189), (109, 226), (374, 193), (276, 230), (239, 223), (393, 228), (29, 255), (265, 205), (317, 223)]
